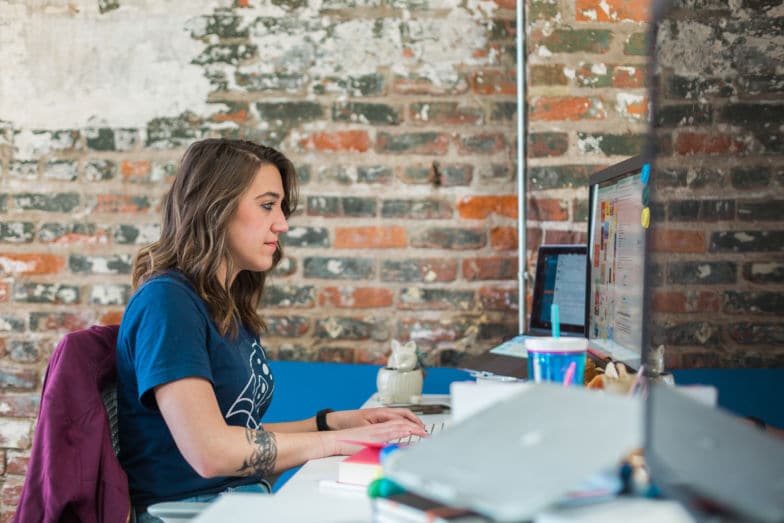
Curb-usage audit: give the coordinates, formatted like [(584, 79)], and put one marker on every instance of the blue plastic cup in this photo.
[(549, 359)]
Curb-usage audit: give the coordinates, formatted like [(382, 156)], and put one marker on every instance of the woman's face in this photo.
[(254, 229)]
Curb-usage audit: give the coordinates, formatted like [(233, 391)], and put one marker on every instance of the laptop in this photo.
[(545, 441), (712, 462), (560, 277)]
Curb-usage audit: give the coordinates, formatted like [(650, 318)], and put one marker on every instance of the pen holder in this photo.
[(398, 386)]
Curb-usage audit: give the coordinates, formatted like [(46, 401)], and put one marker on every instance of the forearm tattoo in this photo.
[(262, 460)]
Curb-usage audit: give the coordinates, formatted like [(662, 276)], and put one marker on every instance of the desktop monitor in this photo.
[(617, 246)]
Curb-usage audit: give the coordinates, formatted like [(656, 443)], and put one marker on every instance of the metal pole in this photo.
[(522, 259)]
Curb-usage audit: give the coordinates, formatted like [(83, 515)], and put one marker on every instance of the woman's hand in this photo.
[(346, 419), (344, 441)]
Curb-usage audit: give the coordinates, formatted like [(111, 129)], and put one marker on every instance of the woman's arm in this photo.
[(214, 448), (346, 419)]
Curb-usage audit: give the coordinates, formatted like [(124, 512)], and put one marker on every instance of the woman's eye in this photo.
[(269, 206)]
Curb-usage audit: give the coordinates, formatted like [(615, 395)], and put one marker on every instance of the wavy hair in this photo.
[(195, 215)]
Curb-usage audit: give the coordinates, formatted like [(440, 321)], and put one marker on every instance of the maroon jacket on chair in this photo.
[(73, 473)]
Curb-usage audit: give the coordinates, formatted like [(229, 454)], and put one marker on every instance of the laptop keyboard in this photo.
[(431, 428)]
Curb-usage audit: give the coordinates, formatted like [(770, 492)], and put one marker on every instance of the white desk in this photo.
[(304, 500)]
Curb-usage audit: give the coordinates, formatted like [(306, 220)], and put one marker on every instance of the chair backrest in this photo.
[(77, 478), (109, 398)]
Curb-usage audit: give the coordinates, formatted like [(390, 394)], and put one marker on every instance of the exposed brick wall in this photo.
[(401, 119), (718, 198), (399, 116)]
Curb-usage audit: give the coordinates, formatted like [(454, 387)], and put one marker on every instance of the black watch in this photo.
[(321, 419)]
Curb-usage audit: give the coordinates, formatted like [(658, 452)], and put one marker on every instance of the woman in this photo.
[(193, 376)]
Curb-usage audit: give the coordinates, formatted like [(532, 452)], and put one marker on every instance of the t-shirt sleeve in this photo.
[(168, 337)]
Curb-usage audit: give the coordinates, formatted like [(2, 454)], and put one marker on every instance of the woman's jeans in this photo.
[(256, 488)]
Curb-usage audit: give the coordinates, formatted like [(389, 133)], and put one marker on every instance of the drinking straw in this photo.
[(555, 321)]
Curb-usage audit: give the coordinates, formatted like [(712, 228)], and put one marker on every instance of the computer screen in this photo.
[(616, 264), (559, 279)]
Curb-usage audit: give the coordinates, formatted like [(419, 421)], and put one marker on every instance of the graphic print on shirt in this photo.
[(257, 391)]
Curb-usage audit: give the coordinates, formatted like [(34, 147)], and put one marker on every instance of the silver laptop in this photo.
[(560, 279), (523, 453), (714, 463)]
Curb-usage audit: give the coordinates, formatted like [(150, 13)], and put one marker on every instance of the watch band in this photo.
[(321, 419)]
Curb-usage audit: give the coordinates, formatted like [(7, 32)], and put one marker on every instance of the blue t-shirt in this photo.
[(167, 334)]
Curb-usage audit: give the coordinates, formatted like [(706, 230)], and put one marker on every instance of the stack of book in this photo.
[(360, 468)]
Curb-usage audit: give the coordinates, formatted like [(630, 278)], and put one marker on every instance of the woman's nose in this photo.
[(281, 224)]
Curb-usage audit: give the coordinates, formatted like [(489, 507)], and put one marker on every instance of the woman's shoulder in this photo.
[(168, 286)]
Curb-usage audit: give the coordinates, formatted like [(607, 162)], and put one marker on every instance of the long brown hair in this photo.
[(211, 177)]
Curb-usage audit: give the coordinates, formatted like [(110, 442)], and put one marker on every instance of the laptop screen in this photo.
[(560, 280), (617, 252)]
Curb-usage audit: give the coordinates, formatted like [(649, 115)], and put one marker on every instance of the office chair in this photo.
[(168, 511), (74, 473)]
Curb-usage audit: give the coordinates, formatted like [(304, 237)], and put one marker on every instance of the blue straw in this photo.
[(555, 321)]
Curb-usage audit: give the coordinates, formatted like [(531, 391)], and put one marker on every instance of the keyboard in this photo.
[(430, 428)]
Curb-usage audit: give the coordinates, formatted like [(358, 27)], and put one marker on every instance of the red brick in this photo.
[(673, 360), (554, 108), (613, 10), (670, 240), (412, 143), (357, 141), (100, 236), (494, 82), (239, 115), (506, 4), (60, 320), (547, 75), (498, 299), (707, 143), (480, 207), (369, 237), (17, 465), (669, 301), (533, 238), (682, 302), (444, 113), (495, 268), (118, 203), (370, 357), (548, 209), (335, 355), (111, 318), (555, 236), (503, 238), (19, 405), (356, 298), (428, 330), (135, 170), (11, 492), (423, 85), (635, 111), (12, 263), (486, 143), (629, 76)]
